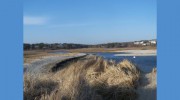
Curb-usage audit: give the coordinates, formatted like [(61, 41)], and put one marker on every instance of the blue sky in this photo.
[(89, 21)]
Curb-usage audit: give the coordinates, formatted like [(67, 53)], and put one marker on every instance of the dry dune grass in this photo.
[(89, 78), (36, 87)]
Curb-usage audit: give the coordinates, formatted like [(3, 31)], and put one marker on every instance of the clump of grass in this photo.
[(35, 88), (113, 81)]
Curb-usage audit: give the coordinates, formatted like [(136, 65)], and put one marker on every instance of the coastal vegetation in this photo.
[(88, 78)]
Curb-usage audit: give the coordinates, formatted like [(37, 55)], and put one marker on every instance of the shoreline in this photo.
[(137, 53), (85, 50)]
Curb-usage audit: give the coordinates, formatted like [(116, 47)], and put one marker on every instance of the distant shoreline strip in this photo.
[(135, 55)]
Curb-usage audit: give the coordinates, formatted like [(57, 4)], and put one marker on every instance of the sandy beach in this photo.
[(136, 53)]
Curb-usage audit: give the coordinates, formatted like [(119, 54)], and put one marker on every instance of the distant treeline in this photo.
[(54, 46)]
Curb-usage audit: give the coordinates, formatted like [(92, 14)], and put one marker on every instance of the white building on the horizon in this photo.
[(153, 41), (136, 42), (139, 42), (145, 42)]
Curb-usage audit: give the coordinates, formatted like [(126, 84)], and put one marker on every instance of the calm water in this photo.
[(145, 63)]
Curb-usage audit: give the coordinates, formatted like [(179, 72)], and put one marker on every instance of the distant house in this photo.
[(136, 42), (144, 44), (152, 41), (139, 43)]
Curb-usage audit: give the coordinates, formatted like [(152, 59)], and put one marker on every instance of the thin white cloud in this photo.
[(69, 25), (29, 20)]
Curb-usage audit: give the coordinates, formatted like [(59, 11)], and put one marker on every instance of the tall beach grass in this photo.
[(89, 78)]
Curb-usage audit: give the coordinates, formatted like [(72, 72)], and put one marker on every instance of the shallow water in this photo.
[(145, 63)]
